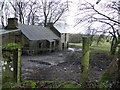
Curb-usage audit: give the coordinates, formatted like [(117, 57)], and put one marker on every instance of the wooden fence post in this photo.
[(15, 61), (18, 66), (85, 60)]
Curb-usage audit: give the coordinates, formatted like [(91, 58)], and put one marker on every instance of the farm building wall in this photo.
[(12, 37), (64, 41)]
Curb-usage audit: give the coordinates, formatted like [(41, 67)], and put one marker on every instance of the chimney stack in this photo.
[(50, 24), (12, 23)]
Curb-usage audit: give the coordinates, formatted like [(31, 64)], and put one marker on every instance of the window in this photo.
[(40, 45), (65, 37), (26, 46), (57, 42), (17, 38), (62, 45)]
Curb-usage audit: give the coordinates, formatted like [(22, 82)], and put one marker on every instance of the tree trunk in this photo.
[(33, 19), (113, 68), (118, 78), (110, 71), (45, 22), (113, 46), (91, 39), (85, 60)]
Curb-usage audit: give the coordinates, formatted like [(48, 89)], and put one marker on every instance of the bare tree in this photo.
[(19, 9), (108, 16), (33, 12), (98, 1), (2, 18), (5, 13), (53, 10), (40, 11)]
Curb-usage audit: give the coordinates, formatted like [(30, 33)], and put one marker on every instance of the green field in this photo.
[(103, 46)]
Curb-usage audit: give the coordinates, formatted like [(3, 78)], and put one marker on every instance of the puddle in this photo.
[(74, 49)]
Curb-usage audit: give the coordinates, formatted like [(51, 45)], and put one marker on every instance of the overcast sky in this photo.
[(74, 11)]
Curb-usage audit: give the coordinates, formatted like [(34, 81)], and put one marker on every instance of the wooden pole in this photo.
[(15, 61), (19, 68), (118, 63), (0, 63), (85, 60)]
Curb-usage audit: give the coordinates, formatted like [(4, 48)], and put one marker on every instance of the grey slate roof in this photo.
[(4, 31), (61, 29), (33, 32)]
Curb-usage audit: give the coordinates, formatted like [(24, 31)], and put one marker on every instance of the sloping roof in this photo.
[(61, 29), (33, 32), (4, 31)]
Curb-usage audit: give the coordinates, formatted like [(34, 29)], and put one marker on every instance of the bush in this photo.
[(29, 84), (7, 85)]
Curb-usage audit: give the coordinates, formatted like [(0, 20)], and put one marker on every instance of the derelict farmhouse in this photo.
[(34, 38)]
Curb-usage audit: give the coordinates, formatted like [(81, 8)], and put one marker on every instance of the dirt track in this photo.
[(62, 66)]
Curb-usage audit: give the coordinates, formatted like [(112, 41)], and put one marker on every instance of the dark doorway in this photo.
[(62, 45)]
